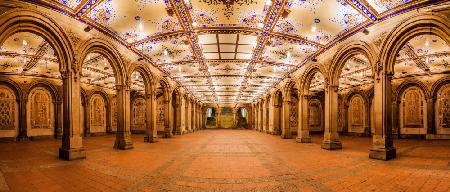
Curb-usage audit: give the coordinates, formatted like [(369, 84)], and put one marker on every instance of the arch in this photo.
[(406, 30), (410, 83), (345, 53), (442, 109), (14, 87), (357, 112), (315, 115), (138, 114), (438, 85), (24, 20), (107, 50), (145, 73), (10, 111), (308, 75), (46, 117), (412, 112), (166, 88), (108, 109), (50, 87)]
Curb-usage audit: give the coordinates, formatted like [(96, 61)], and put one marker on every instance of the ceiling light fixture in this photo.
[(269, 2), (260, 25), (24, 43), (165, 52), (194, 24), (141, 26), (427, 43), (313, 29)]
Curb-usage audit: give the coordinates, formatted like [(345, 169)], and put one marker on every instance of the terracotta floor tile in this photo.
[(225, 160)]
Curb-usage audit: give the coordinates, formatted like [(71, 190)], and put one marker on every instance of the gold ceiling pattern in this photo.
[(226, 51)]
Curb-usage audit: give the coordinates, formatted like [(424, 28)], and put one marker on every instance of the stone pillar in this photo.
[(58, 121), (264, 116), (382, 146), (303, 124), (186, 115), (87, 119), (395, 117), (331, 135), (285, 128), (123, 135), (219, 114), (167, 117), (431, 130), (204, 119), (72, 142), (192, 119), (23, 135), (150, 118)]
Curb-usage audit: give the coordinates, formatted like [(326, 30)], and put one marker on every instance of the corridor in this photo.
[(225, 160)]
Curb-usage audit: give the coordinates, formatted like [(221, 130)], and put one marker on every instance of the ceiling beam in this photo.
[(409, 50), (42, 50), (86, 6)]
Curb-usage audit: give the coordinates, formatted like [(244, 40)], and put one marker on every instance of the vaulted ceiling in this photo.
[(225, 51)]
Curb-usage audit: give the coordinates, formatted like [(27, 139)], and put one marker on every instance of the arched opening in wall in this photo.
[(355, 79), (138, 104), (98, 79), (176, 111), (242, 118), (313, 99), (30, 62), (293, 109), (9, 122), (277, 110), (422, 58), (211, 117), (442, 111)]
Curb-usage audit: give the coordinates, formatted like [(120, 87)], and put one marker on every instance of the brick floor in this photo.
[(225, 160)]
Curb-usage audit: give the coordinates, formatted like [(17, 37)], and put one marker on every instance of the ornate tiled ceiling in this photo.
[(230, 51)]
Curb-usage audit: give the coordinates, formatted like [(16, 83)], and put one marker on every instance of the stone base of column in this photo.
[(150, 139), (331, 145), (276, 132), (382, 153), (303, 139), (123, 141), (72, 154)]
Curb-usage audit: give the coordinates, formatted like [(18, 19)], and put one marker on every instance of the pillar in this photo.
[(72, 142), (87, 118), (150, 118), (430, 117), (23, 115), (167, 116), (285, 128), (264, 116), (331, 135), (382, 143), (123, 135), (303, 124), (58, 115)]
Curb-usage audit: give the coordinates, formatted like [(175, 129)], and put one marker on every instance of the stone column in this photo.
[(303, 124), (72, 142), (204, 119), (219, 114), (192, 117), (395, 117), (285, 128), (186, 115), (331, 135), (123, 135), (87, 119), (23, 135), (150, 118), (383, 146), (59, 117), (167, 117), (430, 117), (264, 116)]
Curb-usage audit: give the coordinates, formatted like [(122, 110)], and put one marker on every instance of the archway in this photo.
[(211, 118), (163, 109), (311, 113), (242, 118), (277, 110), (401, 43)]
